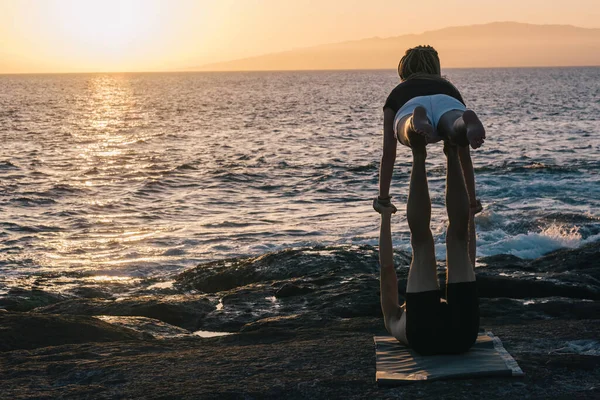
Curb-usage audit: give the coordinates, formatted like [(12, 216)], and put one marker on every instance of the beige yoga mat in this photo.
[(398, 364)]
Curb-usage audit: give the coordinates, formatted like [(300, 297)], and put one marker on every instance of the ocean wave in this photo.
[(92, 171), (370, 167), (6, 165), (153, 186), (575, 166), (32, 201), (9, 226), (62, 189), (184, 167), (239, 177), (226, 224), (574, 218)]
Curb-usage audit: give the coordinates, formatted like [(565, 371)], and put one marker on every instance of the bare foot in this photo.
[(420, 130), (475, 129), (477, 207)]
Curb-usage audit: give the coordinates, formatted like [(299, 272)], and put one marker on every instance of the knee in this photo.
[(458, 231), (421, 237)]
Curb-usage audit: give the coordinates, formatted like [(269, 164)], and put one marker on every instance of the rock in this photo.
[(228, 274), (149, 326), (244, 305), (306, 320), (290, 290), (340, 297), (505, 261), (92, 292), (185, 311), (489, 284), (287, 323), (582, 259), (31, 330), (544, 308), (333, 361), (357, 297), (25, 300)]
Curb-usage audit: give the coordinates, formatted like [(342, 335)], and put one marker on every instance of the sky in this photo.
[(165, 35)]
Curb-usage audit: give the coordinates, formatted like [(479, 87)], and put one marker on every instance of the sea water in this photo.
[(125, 176)]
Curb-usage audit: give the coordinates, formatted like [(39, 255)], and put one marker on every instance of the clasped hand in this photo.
[(383, 205)]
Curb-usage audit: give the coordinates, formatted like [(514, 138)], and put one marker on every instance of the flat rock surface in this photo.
[(30, 331), (337, 361)]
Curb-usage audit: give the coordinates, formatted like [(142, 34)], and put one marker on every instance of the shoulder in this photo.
[(452, 90), (446, 82), (396, 96)]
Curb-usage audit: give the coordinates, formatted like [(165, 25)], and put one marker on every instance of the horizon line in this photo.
[(279, 70)]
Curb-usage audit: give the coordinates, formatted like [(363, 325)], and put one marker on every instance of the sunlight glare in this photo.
[(111, 27)]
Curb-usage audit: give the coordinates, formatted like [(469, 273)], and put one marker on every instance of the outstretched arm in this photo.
[(466, 163), (388, 158), (389, 282), (464, 154)]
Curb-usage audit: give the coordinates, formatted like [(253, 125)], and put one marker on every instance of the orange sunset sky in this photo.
[(166, 35)]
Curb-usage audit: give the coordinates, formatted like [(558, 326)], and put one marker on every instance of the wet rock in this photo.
[(287, 323), (506, 261), (514, 310), (185, 311), (149, 326), (290, 290), (356, 297), (336, 360), (92, 292), (489, 284), (25, 300), (31, 330), (583, 259), (228, 274), (294, 342), (241, 306), (342, 297)]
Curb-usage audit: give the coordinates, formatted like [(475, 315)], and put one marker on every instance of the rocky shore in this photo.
[(301, 324)]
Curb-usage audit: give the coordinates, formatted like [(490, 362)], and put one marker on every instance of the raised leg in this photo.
[(452, 125), (458, 262), (461, 288), (423, 272), (421, 319)]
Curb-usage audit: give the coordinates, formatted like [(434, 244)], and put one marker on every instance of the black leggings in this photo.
[(435, 326)]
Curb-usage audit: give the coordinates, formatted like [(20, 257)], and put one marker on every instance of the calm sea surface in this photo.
[(136, 175)]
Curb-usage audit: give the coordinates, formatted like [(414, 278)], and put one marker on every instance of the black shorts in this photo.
[(437, 326)]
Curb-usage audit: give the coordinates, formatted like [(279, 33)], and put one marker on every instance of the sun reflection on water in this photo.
[(105, 128)]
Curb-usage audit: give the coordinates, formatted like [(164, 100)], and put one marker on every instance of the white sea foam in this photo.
[(532, 244)]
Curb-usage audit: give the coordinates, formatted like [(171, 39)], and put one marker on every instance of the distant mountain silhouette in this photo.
[(498, 44)]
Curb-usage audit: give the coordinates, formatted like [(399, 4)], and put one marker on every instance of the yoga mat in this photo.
[(398, 364)]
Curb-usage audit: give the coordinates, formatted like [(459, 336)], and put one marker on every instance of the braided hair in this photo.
[(420, 61)]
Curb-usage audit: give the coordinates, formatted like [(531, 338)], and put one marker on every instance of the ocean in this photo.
[(118, 177)]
